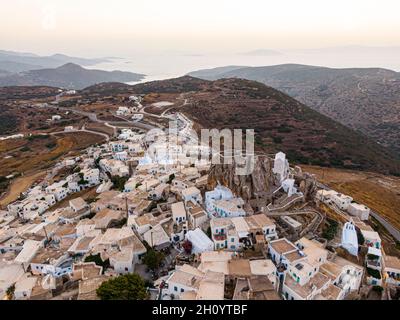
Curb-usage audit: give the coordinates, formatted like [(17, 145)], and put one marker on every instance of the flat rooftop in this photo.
[(392, 262), (47, 255), (239, 267), (282, 246), (293, 256), (315, 283)]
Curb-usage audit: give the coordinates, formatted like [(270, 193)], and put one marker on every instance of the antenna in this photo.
[(126, 207), (45, 232)]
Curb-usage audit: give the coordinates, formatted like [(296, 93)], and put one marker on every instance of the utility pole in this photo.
[(126, 208), (45, 232)]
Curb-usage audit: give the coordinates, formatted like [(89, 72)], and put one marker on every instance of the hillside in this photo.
[(176, 85), (19, 61), (8, 94), (367, 100), (282, 123), (70, 76)]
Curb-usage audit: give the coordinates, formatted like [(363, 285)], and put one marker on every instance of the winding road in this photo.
[(106, 136), (113, 124)]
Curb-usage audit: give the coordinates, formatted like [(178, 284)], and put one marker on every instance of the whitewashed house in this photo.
[(51, 261), (358, 210), (59, 190), (219, 193), (24, 286), (121, 156), (200, 241), (372, 238), (178, 212), (196, 216), (392, 270), (192, 194), (281, 167)]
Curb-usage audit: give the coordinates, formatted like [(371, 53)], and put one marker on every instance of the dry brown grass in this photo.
[(81, 140), (40, 156), (9, 145), (94, 126), (84, 194), (20, 185), (331, 213), (156, 97), (377, 191), (99, 107), (33, 162)]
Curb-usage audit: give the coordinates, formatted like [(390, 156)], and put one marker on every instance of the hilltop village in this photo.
[(188, 228)]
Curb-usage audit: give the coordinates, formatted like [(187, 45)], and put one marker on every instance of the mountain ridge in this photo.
[(364, 99), (69, 75), (23, 61)]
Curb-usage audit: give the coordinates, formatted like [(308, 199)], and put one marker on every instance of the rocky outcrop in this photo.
[(260, 183), (261, 180), (306, 182)]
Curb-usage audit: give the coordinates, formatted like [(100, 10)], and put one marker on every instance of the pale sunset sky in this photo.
[(123, 27)]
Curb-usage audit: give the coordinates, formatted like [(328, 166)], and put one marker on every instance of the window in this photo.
[(232, 240), (182, 290), (175, 288)]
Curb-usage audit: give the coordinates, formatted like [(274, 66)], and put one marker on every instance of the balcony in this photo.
[(393, 276), (373, 261), (219, 237)]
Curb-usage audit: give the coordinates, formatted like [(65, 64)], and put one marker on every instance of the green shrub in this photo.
[(119, 182), (374, 273), (98, 261), (153, 258), (330, 232), (377, 288), (125, 287)]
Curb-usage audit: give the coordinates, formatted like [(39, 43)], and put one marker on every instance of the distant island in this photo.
[(12, 61), (69, 76), (262, 52)]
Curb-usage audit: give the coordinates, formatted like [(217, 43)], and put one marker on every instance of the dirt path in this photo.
[(19, 185)]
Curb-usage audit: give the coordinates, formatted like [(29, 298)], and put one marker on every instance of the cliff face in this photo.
[(259, 181), (306, 182)]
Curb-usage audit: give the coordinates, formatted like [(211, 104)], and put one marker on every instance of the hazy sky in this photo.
[(124, 27)]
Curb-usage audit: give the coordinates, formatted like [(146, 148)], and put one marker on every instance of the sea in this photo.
[(172, 65)]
